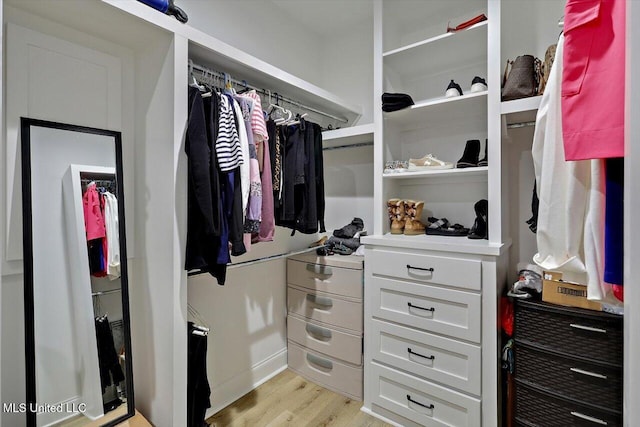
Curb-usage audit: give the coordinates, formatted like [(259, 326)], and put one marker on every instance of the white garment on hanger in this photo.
[(245, 168), (113, 235), (570, 233)]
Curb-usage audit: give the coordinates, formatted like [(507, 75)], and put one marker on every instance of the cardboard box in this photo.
[(570, 294)]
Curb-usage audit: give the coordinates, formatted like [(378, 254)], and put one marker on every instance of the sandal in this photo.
[(441, 227)]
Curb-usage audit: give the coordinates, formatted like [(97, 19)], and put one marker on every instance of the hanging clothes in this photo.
[(593, 79), (245, 167), (110, 369), (228, 148), (198, 390), (95, 230), (571, 198), (267, 223), (614, 227), (113, 235)]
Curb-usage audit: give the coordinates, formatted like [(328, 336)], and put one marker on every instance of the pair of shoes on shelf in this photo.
[(477, 85), (395, 166), (428, 162), (405, 216), (470, 157), (441, 227)]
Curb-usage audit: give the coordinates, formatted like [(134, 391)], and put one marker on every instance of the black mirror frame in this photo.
[(27, 235)]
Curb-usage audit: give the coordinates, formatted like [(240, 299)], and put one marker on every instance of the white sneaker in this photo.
[(453, 89), (478, 85), (428, 162)]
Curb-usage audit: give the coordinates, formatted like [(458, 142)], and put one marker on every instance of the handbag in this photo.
[(522, 79), (545, 71)]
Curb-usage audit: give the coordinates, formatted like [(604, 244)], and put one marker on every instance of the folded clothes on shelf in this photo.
[(395, 101)]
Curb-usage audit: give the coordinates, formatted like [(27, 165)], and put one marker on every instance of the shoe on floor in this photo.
[(470, 156), (453, 89), (478, 85), (428, 162)]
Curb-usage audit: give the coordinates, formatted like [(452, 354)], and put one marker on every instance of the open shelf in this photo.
[(521, 110), (438, 243), (438, 173), (348, 136), (439, 110)]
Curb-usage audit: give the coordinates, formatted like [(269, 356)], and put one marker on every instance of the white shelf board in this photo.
[(438, 243), (450, 51), (348, 136), (521, 110), (431, 40), (438, 173), (213, 53), (438, 110)]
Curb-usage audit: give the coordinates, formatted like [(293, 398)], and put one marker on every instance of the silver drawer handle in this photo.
[(319, 269), (588, 418), (589, 373), (324, 363), (323, 301), (588, 328), (318, 331)]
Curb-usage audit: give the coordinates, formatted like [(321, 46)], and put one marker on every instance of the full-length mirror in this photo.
[(78, 345)]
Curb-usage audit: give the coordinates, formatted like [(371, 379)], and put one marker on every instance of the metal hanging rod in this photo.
[(259, 260), (208, 73), (100, 293), (520, 125), (340, 147)]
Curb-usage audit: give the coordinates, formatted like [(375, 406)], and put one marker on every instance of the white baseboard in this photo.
[(231, 390), (380, 417)]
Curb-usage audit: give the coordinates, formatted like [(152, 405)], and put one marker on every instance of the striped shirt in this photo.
[(228, 147), (258, 124)]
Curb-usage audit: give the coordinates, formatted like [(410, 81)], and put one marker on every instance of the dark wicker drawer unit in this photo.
[(568, 366), (598, 385), (588, 334), (540, 409)]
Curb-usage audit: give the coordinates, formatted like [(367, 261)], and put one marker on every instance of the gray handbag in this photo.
[(522, 80)]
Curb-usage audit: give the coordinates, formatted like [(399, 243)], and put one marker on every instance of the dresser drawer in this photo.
[(445, 311), (326, 308), (593, 384), (453, 363), (587, 334), (422, 402), (326, 371), (324, 339), (419, 267), (536, 408), (325, 278)]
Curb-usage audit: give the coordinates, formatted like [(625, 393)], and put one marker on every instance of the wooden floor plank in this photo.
[(288, 400)]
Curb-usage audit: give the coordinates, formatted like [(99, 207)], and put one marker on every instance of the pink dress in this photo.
[(593, 79)]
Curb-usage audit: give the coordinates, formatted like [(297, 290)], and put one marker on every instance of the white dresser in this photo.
[(325, 320), (424, 334)]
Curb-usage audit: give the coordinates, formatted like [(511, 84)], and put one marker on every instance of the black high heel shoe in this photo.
[(480, 229)]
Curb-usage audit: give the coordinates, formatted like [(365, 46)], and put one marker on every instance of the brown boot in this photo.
[(413, 210), (395, 207)]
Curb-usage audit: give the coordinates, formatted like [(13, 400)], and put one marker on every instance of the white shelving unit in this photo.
[(359, 134), (520, 110), (479, 171), (440, 243)]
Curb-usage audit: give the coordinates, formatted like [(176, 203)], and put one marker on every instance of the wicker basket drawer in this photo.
[(421, 267), (535, 408), (588, 334), (594, 384), (325, 278), (325, 339)]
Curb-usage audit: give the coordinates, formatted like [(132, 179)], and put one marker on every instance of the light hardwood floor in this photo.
[(290, 400)]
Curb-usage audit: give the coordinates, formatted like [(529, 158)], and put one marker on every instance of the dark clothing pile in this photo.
[(110, 370)]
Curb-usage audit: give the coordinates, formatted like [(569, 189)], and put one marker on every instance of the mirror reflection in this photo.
[(76, 300)]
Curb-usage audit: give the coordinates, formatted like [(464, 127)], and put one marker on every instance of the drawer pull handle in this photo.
[(324, 363), (318, 331), (588, 418), (323, 301), (319, 269), (432, 357), (418, 403), (410, 267), (431, 309), (588, 328), (591, 374)]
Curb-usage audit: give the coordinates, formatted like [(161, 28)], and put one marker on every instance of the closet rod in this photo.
[(242, 83), (100, 293), (520, 125), (259, 260), (339, 147)]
